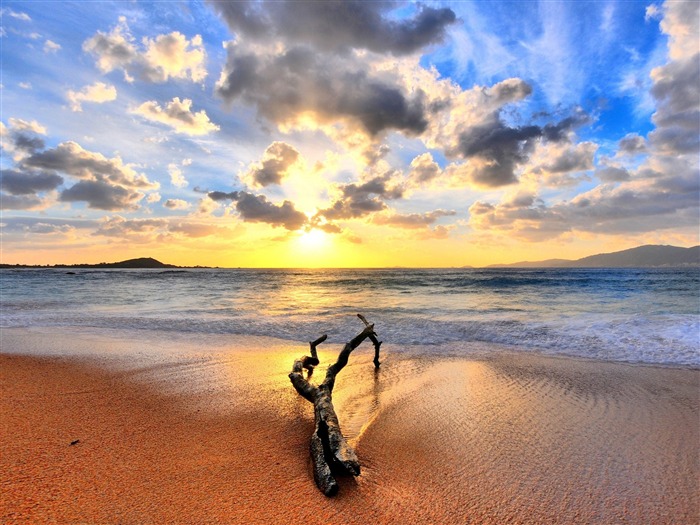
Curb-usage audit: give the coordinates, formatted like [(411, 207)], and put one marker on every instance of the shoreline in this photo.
[(184, 434), (153, 342)]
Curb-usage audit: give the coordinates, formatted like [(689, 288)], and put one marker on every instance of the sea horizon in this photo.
[(645, 315)]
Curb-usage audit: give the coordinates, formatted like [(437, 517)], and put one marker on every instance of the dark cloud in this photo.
[(336, 26), (21, 137), (298, 81), (277, 159), (612, 174), (72, 159), (632, 144), (411, 220), (102, 195), (677, 116), (256, 208), (635, 206), (27, 182), (20, 202), (498, 148), (27, 143), (501, 148), (509, 90), (358, 200)]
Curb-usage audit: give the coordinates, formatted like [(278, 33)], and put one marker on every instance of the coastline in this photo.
[(216, 434)]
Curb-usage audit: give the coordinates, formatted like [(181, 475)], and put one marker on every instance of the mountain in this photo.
[(549, 263), (648, 256), (142, 262)]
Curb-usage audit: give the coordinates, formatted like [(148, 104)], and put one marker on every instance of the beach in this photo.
[(123, 427)]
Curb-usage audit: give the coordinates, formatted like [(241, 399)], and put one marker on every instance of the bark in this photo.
[(330, 452)]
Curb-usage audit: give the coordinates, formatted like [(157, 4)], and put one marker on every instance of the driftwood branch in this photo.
[(330, 451)]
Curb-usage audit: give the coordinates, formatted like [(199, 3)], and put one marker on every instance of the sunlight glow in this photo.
[(313, 239)]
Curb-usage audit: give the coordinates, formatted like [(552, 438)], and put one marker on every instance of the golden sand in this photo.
[(223, 438)]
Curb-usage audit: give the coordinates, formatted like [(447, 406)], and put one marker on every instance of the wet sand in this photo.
[(166, 433)]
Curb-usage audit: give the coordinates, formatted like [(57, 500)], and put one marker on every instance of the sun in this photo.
[(313, 239)]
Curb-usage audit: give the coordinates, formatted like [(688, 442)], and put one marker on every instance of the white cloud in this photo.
[(173, 56), (156, 60), (176, 204), (153, 197), (18, 15), (51, 46), (178, 115), (97, 93), (176, 176)]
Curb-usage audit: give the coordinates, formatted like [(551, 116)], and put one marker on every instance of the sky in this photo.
[(346, 134)]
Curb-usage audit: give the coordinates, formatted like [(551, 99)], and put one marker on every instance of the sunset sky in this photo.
[(336, 134)]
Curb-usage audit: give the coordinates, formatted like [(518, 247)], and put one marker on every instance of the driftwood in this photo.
[(330, 451)]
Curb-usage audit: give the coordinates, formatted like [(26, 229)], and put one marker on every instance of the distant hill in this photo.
[(648, 256), (142, 262), (549, 263)]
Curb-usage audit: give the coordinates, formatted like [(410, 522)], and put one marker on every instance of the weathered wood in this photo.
[(375, 341), (330, 451)]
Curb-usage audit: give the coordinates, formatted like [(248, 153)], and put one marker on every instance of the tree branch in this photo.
[(329, 450)]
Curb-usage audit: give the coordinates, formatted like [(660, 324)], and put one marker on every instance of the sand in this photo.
[(123, 428)]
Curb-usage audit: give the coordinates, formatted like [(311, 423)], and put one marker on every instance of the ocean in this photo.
[(630, 315)]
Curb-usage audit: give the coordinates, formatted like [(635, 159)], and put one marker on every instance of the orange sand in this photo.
[(223, 438)]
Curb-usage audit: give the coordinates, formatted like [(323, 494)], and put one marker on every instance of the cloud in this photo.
[(51, 47), (19, 139), (278, 158), (72, 159), (648, 185), (680, 23), (661, 194), (631, 144), (176, 204), (98, 93), (18, 15), (174, 56), (156, 229), (176, 176), (423, 170), (102, 195), (290, 84), (153, 197), (677, 116), (106, 184), (158, 60), (178, 115), (337, 26), (43, 228), (117, 226), (26, 182), (256, 208), (495, 149), (612, 173), (558, 163), (411, 220), (21, 202), (361, 199)]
